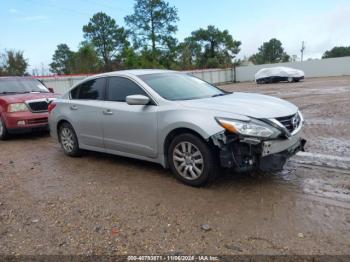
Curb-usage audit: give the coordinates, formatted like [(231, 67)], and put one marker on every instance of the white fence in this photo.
[(312, 68)]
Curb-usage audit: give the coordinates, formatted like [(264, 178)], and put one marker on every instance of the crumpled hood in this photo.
[(246, 104), (20, 98)]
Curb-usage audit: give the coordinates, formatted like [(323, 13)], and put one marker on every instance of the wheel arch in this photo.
[(175, 132), (59, 123)]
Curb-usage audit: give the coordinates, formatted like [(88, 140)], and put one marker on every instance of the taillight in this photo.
[(51, 106)]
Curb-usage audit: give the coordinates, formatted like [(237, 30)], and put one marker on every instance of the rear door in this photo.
[(85, 112), (130, 129)]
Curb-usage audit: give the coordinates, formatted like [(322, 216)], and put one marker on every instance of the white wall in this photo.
[(313, 68), (215, 76), (62, 83)]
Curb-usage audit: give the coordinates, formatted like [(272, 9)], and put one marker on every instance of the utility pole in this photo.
[(302, 50)]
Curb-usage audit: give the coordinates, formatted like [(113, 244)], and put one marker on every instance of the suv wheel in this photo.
[(3, 130), (68, 140), (191, 160)]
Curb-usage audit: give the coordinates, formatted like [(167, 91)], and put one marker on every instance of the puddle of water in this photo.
[(288, 173), (324, 160), (327, 121), (318, 91), (330, 189), (317, 156)]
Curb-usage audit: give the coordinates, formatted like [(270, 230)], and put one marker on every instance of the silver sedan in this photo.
[(178, 121)]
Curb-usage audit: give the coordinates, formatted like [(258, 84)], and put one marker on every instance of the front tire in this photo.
[(68, 140), (3, 130), (192, 160)]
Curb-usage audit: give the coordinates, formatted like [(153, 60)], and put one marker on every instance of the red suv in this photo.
[(23, 105)]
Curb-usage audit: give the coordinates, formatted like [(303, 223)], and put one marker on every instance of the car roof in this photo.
[(136, 72), (131, 73)]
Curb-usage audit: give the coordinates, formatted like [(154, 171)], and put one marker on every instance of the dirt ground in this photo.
[(102, 204)]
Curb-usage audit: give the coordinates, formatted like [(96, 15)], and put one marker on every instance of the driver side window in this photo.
[(119, 88)]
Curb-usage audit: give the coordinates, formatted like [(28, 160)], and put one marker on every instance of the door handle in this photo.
[(73, 107), (107, 112)]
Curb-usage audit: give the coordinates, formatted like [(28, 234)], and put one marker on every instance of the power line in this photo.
[(64, 9), (302, 50), (105, 6), (52, 5)]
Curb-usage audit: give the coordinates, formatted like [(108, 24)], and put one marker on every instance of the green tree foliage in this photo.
[(189, 52), (169, 54), (2, 65), (269, 53), (129, 58), (106, 36), (153, 25), (13, 63), (210, 48), (61, 60), (338, 51), (86, 60)]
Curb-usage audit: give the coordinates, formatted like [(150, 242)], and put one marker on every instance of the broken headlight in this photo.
[(251, 128)]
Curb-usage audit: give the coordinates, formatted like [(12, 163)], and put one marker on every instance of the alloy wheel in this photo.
[(188, 160), (67, 139)]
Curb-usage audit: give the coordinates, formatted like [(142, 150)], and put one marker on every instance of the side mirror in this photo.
[(51, 90), (137, 100)]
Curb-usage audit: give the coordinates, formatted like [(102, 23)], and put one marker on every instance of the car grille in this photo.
[(38, 106), (290, 122), (38, 121)]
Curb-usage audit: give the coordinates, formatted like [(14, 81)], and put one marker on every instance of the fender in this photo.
[(197, 120)]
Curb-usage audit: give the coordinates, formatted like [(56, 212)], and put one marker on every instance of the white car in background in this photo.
[(278, 74)]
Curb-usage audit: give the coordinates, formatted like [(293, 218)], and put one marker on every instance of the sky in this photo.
[(38, 26)]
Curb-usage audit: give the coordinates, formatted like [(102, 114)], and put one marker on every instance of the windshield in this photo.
[(21, 85), (177, 86)]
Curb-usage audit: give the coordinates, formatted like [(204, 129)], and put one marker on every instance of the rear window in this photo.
[(90, 90), (21, 85)]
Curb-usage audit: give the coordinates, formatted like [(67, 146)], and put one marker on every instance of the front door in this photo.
[(130, 129)]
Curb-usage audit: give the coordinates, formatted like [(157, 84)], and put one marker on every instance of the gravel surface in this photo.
[(102, 204)]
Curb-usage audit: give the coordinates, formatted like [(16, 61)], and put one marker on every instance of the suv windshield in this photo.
[(21, 85), (177, 86)]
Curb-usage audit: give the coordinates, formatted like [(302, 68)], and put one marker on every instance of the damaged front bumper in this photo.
[(246, 154)]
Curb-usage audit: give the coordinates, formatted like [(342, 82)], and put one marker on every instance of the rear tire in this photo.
[(3, 130), (269, 80), (192, 160), (68, 140)]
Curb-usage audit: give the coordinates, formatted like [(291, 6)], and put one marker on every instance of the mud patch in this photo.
[(106, 205)]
